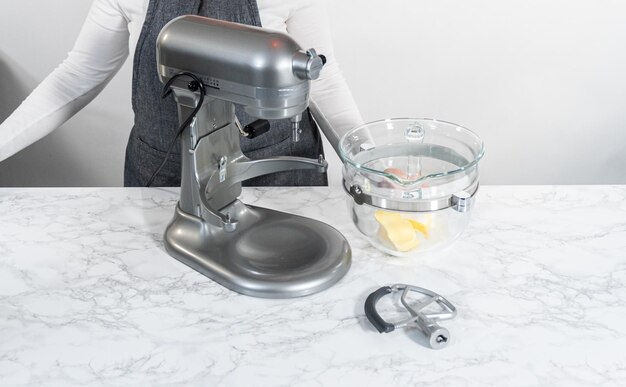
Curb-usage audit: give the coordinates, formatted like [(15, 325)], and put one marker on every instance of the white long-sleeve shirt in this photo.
[(111, 32)]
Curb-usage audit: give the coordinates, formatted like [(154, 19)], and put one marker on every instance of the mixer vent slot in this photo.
[(212, 82)]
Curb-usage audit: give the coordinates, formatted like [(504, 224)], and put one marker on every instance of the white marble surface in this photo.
[(88, 296)]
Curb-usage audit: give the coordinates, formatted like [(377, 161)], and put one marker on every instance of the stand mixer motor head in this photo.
[(267, 72)]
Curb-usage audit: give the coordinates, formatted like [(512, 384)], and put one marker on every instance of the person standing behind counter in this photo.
[(115, 28)]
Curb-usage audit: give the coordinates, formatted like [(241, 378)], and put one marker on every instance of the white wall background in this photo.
[(543, 82)]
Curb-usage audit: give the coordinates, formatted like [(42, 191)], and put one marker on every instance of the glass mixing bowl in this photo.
[(411, 182)]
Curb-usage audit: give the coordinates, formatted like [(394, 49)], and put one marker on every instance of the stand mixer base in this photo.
[(271, 254)]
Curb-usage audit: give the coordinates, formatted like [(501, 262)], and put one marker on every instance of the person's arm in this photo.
[(99, 52), (332, 104)]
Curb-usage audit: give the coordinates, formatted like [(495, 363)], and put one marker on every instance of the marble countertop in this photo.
[(89, 296)]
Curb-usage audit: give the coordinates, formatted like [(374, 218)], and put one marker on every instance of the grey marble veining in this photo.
[(89, 297)]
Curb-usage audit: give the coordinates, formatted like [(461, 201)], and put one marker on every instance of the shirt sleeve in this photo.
[(98, 54), (332, 104)]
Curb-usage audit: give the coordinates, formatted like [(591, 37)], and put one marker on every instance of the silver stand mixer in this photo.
[(251, 250)]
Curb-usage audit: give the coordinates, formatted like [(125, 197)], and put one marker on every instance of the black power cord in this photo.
[(194, 85)]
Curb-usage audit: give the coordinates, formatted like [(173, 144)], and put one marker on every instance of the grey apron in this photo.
[(156, 119)]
